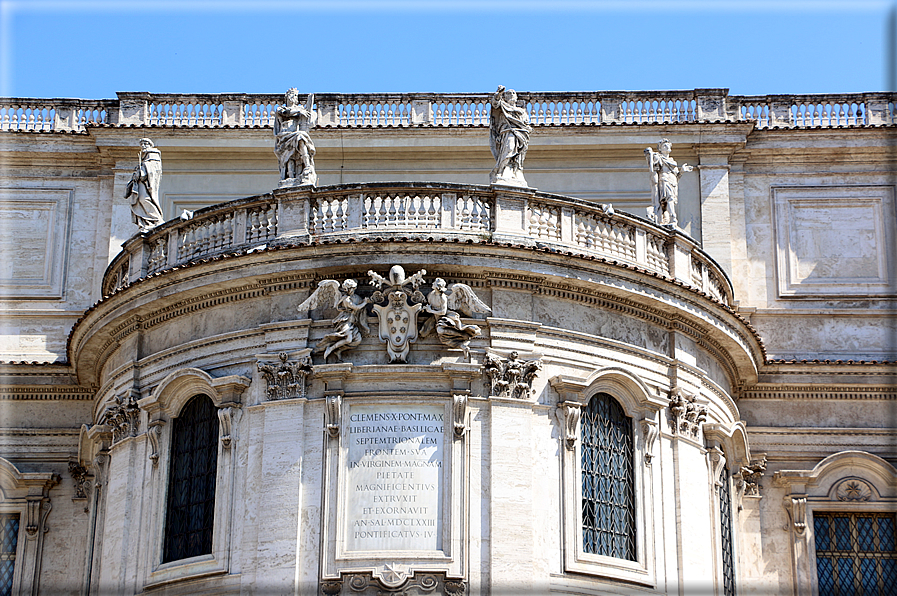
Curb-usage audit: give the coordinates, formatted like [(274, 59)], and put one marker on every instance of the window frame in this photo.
[(809, 491), (28, 495), (641, 405), (164, 405)]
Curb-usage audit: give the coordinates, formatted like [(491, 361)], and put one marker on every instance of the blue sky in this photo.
[(91, 49)]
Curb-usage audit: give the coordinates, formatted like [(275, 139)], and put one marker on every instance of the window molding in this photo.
[(727, 451), (823, 489), (641, 405), (164, 404), (28, 495)]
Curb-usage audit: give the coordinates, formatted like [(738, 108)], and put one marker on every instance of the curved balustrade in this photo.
[(455, 212), (374, 110)]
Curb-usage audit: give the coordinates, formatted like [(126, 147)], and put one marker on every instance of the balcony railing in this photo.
[(374, 110), (453, 212)]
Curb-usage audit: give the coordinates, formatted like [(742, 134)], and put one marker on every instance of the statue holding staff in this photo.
[(665, 173), (143, 188), (292, 144)]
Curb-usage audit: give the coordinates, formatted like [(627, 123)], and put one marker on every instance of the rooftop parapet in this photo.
[(420, 211), (399, 110)]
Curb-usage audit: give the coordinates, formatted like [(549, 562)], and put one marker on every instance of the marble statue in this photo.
[(292, 144), (665, 173), (347, 325), (143, 188), (443, 302), (508, 138)]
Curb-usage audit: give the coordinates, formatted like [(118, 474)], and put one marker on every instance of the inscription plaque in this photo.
[(394, 478)]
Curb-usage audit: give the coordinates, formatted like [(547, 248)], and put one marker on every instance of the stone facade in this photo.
[(747, 344)]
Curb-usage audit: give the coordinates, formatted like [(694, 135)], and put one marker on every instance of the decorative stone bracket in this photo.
[(392, 580), (649, 432), (287, 379), (568, 414), (511, 376), (334, 406), (459, 414), (226, 414), (154, 433), (687, 414)]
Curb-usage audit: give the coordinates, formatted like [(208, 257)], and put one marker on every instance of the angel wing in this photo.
[(328, 293), (462, 297)]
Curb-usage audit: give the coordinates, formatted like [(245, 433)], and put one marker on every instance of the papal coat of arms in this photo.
[(398, 304)]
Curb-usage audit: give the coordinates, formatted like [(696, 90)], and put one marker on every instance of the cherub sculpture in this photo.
[(443, 303), (347, 325)]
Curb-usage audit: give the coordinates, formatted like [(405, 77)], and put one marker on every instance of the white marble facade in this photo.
[(749, 341)]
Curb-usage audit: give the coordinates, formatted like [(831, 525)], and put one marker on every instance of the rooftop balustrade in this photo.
[(372, 110), (424, 211)]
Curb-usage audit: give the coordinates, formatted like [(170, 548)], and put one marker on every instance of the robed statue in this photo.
[(292, 144), (142, 191), (665, 173), (508, 138)]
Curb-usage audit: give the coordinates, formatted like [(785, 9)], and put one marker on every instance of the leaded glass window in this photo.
[(9, 538), (725, 523), (190, 514), (608, 485), (855, 554)]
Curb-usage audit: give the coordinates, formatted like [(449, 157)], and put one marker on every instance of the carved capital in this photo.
[(334, 406), (80, 480), (286, 379), (122, 416), (511, 376), (568, 415), (687, 415), (751, 475), (459, 414)]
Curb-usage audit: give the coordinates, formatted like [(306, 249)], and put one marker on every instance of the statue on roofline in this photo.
[(292, 144), (142, 191), (508, 138), (665, 174)]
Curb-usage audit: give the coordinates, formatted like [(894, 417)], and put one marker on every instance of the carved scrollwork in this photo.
[(331, 587), (687, 414), (393, 580), (511, 376), (459, 414), (717, 465), (334, 405), (286, 380)]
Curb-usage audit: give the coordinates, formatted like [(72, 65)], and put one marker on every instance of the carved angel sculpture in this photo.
[(443, 303), (347, 325)]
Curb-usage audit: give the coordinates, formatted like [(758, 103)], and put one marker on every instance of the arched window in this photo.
[(190, 514), (608, 484)]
